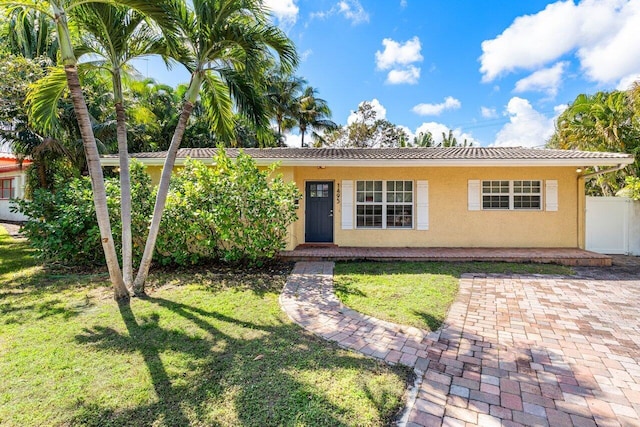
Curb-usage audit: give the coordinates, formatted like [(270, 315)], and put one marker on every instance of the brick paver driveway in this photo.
[(537, 351), (514, 350)]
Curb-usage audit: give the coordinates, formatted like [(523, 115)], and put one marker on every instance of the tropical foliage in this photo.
[(63, 226), (367, 130), (605, 121), (231, 212)]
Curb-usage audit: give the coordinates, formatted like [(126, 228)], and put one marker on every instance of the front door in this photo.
[(319, 212)]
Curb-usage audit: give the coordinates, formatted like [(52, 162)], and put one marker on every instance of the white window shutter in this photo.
[(473, 195), (347, 205), (422, 205), (551, 195)]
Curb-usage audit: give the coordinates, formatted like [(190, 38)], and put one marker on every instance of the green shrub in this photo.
[(632, 187), (232, 211), (63, 226)]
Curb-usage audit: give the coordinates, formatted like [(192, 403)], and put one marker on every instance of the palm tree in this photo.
[(312, 113), (423, 139), (600, 122), (282, 92), (31, 34), (225, 44), (56, 11), (113, 36)]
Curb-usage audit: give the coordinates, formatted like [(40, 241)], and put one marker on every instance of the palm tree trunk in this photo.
[(97, 181), (161, 199), (190, 98), (125, 183)]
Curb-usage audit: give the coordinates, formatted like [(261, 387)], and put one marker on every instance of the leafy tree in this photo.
[(113, 36), (29, 33), (312, 113), (368, 131), (56, 12), (283, 92), (605, 121), (448, 140), (225, 43), (423, 139)]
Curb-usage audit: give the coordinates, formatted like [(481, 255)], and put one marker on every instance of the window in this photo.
[(384, 204), (6, 188), (511, 195), (318, 190)]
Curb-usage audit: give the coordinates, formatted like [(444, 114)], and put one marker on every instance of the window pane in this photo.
[(495, 202), (369, 216), (399, 216), (360, 185), (526, 202)]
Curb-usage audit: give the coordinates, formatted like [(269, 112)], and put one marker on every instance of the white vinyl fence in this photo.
[(613, 225)]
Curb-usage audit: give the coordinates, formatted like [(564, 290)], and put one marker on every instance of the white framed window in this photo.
[(7, 189), (384, 204), (512, 195)]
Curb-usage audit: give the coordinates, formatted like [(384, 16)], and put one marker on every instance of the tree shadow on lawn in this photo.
[(257, 372), (430, 320)]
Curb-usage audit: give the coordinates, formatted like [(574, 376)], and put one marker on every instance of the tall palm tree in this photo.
[(225, 43), (113, 36), (312, 113), (283, 90), (56, 11), (31, 34)]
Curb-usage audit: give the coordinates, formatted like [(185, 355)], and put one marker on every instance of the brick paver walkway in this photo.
[(309, 301), (515, 350)]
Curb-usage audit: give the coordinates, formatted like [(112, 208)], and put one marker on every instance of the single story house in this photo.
[(12, 182), (428, 197)]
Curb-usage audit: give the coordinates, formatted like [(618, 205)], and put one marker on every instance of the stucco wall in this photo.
[(18, 183), (451, 224)]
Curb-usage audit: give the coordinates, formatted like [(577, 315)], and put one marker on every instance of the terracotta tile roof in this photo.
[(451, 153)]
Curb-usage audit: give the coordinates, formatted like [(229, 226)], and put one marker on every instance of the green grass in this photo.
[(205, 349), (415, 293)]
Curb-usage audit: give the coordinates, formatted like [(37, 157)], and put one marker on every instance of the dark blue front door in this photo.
[(319, 212)]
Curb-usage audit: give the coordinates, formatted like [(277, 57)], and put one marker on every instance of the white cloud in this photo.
[(546, 80), (450, 103), (350, 9), (305, 55), (403, 3), (285, 11), (396, 53), (488, 113), (293, 140), (381, 112), (603, 33), (353, 11), (399, 59), (409, 75), (627, 81), (526, 128)]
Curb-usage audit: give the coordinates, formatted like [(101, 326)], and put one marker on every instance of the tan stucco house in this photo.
[(429, 197), (12, 183)]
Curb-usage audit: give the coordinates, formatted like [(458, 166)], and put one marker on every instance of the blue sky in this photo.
[(496, 72)]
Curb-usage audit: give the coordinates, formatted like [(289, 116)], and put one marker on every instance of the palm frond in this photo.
[(42, 100)]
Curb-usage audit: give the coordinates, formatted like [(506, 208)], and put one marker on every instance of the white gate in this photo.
[(611, 225)]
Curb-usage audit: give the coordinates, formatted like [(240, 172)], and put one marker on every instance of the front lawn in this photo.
[(206, 348), (415, 293)]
